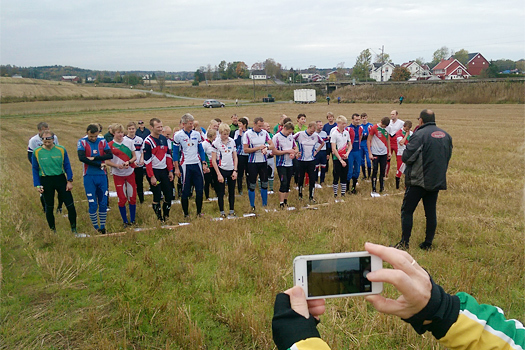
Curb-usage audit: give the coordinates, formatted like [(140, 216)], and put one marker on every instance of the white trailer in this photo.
[(304, 96)]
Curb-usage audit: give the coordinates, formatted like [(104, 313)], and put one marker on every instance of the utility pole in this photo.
[(382, 60)]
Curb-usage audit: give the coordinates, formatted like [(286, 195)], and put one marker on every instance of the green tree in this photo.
[(272, 68), (438, 55), (491, 72), (521, 65), (230, 70), (199, 76), (222, 69), (161, 80), (400, 74), (383, 57), (504, 64), (420, 61), (462, 56), (362, 65)]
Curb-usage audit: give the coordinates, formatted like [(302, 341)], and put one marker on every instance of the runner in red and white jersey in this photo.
[(159, 166), (402, 138), (379, 152), (122, 165)]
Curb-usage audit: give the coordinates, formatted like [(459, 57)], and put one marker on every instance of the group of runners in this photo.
[(191, 160)]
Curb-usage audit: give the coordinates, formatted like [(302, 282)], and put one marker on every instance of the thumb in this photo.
[(298, 301)]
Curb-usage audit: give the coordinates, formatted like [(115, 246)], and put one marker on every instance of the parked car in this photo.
[(212, 104)]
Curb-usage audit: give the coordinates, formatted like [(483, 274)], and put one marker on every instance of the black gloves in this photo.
[(442, 309), (288, 327)]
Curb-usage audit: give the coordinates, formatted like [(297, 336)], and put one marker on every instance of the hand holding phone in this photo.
[(337, 275)]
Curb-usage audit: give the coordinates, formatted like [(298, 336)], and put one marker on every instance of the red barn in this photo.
[(450, 69), (476, 63)]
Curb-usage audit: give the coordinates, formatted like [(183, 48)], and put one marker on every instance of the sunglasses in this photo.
[(47, 138)]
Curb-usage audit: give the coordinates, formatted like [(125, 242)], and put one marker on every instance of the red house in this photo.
[(450, 69), (71, 78), (476, 63)]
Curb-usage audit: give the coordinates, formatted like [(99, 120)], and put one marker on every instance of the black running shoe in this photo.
[(102, 231), (425, 246), (401, 245)]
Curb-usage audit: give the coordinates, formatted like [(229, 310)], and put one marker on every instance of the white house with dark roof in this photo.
[(382, 72), (258, 75)]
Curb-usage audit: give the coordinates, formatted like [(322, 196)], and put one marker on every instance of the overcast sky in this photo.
[(176, 35)]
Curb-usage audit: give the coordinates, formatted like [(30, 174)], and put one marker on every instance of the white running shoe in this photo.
[(318, 186)]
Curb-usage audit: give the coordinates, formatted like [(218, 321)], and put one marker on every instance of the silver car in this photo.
[(212, 104)]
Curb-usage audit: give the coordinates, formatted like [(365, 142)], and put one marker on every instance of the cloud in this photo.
[(183, 35)]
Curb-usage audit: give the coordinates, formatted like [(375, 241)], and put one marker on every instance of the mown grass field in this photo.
[(211, 285)]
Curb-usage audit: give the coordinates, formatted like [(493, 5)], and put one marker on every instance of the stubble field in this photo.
[(211, 285)]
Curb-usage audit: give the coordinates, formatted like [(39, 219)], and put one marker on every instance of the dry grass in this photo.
[(212, 284), (449, 92), (39, 89)]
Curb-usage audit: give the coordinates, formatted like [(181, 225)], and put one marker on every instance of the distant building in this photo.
[(476, 63), (382, 72), (17, 76), (417, 72), (258, 75), (450, 69), (318, 77), (70, 78)]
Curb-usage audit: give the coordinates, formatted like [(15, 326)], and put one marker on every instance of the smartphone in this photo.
[(337, 275)]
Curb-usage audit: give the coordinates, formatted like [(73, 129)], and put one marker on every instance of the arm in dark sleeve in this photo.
[(147, 159), (442, 310), (82, 157), (107, 155), (67, 167), (35, 167), (201, 153), (30, 157)]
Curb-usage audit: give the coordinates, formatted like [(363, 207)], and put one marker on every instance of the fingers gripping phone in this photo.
[(337, 275)]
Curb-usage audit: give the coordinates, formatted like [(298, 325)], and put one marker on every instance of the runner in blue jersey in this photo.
[(354, 158), (93, 151), (328, 128), (365, 159), (321, 159)]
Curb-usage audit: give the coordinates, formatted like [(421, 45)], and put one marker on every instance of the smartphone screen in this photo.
[(338, 276)]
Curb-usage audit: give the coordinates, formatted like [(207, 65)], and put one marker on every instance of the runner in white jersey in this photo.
[(341, 147), (138, 143), (122, 165), (192, 159), (241, 156), (284, 151), (393, 127), (256, 143), (224, 161), (309, 144)]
